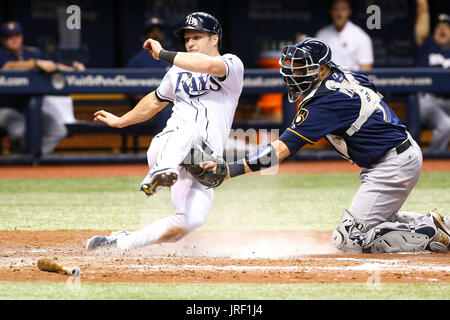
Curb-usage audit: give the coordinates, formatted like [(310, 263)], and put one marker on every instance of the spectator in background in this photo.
[(433, 50), (351, 46), (16, 56), (154, 28)]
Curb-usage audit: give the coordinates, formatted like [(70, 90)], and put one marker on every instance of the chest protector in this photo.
[(370, 101)]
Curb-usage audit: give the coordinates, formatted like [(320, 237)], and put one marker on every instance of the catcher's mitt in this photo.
[(194, 162)]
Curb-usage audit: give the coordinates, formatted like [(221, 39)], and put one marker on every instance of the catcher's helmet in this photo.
[(300, 64), (200, 21)]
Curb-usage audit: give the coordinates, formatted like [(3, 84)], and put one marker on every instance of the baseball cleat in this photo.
[(447, 221), (97, 242), (441, 241), (160, 179)]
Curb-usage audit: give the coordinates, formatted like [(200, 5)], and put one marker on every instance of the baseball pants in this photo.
[(14, 122), (384, 189), (435, 113), (192, 201)]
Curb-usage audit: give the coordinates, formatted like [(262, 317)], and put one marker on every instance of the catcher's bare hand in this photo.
[(153, 47), (108, 118)]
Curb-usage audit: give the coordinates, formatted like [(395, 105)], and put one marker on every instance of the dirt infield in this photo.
[(226, 257), (196, 259)]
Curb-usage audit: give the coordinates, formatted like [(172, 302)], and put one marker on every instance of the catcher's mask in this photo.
[(300, 65), (200, 21)]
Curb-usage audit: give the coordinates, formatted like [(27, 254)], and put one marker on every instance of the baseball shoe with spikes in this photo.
[(104, 242), (159, 179), (441, 241), (447, 221)]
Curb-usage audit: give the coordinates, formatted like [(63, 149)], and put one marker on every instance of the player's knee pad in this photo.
[(390, 240), (341, 235)]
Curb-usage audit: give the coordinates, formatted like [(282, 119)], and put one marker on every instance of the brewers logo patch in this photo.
[(301, 116)]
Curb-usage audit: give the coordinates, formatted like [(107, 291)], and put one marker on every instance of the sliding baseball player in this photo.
[(204, 87)]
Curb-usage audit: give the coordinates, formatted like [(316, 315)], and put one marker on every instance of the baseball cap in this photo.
[(10, 27), (154, 21), (443, 17)]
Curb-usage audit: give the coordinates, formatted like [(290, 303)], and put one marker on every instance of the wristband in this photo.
[(168, 56), (236, 168), (262, 158)]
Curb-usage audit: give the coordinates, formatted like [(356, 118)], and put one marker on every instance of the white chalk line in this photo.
[(369, 267)]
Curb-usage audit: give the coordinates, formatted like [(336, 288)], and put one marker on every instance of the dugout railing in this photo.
[(392, 81)]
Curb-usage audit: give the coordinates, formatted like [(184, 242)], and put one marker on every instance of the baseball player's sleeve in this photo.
[(309, 126), (165, 92), (234, 76)]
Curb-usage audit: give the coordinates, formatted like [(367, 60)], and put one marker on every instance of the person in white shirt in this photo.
[(351, 46), (204, 87)]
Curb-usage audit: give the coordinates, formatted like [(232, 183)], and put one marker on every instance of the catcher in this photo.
[(347, 110)]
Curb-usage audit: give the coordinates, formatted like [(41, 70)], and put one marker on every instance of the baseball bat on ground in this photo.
[(50, 265)]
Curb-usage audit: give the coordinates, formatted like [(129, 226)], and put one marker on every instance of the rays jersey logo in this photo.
[(196, 86)]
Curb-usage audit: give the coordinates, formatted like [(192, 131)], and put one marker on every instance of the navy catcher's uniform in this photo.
[(390, 159), (347, 110)]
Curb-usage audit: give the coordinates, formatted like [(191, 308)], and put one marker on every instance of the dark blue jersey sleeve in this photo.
[(328, 114)]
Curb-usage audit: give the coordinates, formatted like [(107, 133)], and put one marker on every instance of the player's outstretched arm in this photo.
[(265, 156), (422, 25), (144, 110), (195, 62)]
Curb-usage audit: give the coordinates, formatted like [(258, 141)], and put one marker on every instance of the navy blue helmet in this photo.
[(300, 64), (200, 21)]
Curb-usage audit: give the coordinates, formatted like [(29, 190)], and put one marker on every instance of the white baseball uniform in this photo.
[(204, 108)]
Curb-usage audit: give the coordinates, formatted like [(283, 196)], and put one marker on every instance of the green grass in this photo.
[(176, 291), (312, 202)]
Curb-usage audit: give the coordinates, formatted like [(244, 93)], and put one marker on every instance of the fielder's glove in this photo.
[(194, 162)]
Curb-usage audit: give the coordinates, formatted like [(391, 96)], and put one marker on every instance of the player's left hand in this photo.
[(153, 46), (108, 118)]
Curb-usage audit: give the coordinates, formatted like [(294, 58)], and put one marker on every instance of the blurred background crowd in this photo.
[(34, 36)]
